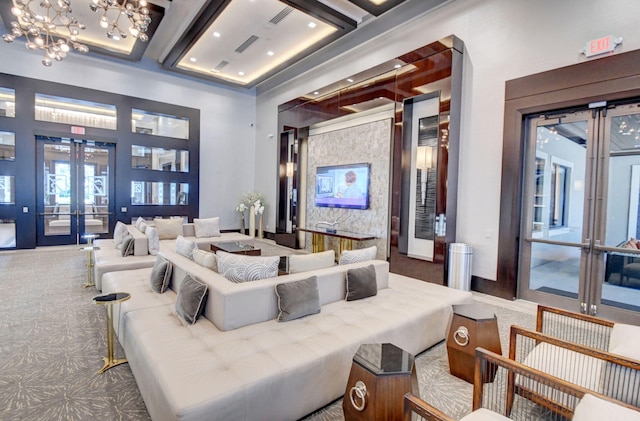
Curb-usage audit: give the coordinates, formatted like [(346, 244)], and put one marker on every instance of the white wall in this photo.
[(227, 117), (504, 39)]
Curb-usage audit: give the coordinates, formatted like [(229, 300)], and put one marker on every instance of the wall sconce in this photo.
[(289, 170), (424, 158)]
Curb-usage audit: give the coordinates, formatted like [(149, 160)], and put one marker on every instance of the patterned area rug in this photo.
[(52, 340)]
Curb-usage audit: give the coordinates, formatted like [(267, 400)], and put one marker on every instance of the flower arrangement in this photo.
[(241, 208), (250, 198), (258, 206)]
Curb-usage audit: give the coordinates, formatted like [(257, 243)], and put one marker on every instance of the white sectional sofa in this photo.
[(237, 362), (109, 258)]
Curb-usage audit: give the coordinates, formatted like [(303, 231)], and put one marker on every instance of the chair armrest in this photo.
[(414, 405), (574, 327)]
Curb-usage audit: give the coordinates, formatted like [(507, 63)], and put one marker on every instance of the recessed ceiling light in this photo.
[(397, 66), (270, 53), (312, 24), (241, 73), (193, 59), (216, 34), (316, 93), (350, 80), (214, 70)]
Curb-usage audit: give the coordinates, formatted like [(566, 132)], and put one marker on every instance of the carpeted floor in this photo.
[(52, 339)]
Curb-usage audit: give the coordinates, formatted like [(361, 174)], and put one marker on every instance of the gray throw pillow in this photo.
[(191, 300), (161, 275), (127, 246), (361, 283), (298, 299)]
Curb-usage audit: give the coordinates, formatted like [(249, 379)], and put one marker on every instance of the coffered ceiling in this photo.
[(235, 42)]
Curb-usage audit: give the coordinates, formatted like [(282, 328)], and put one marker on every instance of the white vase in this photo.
[(260, 232), (252, 222)]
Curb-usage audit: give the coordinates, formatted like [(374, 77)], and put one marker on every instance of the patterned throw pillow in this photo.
[(192, 297), (360, 255), (153, 240), (209, 227), (119, 232), (241, 268), (185, 247), (206, 259), (140, 224), (298, 299)]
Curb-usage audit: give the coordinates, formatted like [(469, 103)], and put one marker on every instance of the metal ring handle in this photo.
[(360, 390), (461, 336)]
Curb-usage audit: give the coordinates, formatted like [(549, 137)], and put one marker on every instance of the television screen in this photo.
[(343, 186)]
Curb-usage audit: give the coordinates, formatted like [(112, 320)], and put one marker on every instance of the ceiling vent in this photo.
[(221, 65), (246, 44), (283, 14)]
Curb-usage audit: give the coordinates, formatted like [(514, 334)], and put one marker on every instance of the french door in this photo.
[(74, 189), (581, 211)]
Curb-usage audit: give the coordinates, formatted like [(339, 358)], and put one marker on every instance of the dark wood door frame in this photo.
[(612, 78)]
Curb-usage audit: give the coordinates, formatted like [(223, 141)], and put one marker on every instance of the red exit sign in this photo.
[(603, 45)]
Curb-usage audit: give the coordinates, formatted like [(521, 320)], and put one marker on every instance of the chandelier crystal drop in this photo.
[(53, 30), (136, 11)]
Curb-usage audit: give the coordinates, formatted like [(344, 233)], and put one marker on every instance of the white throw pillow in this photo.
[(360, 255), (119, 232), (153, 240), (209, 227), (185, 247), (314, 261), (168, 229), (241, 268), (206, 259), (139, 223)]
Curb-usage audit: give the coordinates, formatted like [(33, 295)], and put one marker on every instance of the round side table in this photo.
[(109, 301)]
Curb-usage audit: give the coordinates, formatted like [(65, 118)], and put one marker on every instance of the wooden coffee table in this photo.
[(236, 247)]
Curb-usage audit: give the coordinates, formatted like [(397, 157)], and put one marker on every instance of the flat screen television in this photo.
[(343, 186)]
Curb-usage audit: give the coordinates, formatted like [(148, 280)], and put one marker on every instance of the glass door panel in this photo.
[(553, 251), (74, 195), (618, 286)]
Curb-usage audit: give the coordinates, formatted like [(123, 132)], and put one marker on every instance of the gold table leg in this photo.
[(345, 244), (109, 361), (89, 282), (317, 242)]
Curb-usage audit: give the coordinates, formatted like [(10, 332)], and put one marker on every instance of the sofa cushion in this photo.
[(185, 247), (153, 240), (360, 255), (241, 268), (127, 247), (209, 227), (160, 275), (191, 299), (593, 408), (119, 232), (298, 299), (484, 414), (314, 261), (361, 283), (168, 229), (206, 259)]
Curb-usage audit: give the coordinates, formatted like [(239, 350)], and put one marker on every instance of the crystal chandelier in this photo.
[(54, 31), (135, 10)]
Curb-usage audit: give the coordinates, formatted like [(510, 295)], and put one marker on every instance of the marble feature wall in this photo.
[(371, 143)]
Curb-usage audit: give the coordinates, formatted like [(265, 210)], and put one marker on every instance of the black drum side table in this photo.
[(109, 301)]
